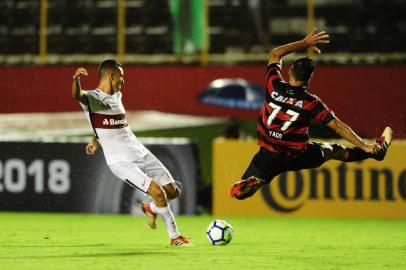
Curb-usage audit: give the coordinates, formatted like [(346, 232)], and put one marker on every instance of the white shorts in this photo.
[(140, 173)]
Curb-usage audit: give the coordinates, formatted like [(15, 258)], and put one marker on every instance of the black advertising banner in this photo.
[(60, 177)]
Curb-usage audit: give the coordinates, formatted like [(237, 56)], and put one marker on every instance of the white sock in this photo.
[(153, 206), (169, 220)]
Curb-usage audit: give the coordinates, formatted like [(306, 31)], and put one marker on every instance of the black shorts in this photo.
[(266, 164)]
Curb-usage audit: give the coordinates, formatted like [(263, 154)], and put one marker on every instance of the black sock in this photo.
[(356, 154)]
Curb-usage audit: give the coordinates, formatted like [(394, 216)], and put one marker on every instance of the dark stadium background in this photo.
[(360, 73)]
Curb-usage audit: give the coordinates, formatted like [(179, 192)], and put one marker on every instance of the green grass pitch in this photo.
[(73, 241)]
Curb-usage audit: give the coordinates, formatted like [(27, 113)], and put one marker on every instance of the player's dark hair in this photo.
[(108, 65), (302, 69)]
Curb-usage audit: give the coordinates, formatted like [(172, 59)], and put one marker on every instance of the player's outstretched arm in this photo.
[(77, 92), (347, 133), (311, 41), (92, 146)]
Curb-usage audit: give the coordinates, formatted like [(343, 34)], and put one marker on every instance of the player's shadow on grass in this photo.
[(92, 255), (53, 246)]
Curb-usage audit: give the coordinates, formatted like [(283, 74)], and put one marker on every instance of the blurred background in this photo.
[(173, 51)]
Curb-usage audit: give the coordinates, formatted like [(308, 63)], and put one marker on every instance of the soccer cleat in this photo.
[(246, 188), (181, 241), (151, 215), (384, 141)]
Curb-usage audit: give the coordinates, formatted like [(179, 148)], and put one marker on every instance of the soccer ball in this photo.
[(219, 232)]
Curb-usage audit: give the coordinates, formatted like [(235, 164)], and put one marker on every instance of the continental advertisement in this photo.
[(366, 189)]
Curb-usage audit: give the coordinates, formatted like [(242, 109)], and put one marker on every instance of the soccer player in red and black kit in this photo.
[(284, 121)]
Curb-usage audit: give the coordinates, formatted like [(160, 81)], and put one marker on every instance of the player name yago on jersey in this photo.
[(106, 115)]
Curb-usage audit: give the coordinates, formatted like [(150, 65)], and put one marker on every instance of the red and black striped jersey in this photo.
[(283, 123)]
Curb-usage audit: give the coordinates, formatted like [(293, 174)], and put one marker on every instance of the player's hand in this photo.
[(372, 148), (80, 72), (92, 147), (316, 37)]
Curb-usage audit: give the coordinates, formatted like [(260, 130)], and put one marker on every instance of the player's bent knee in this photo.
[(172, 191), (158, 194), (176, 193), (338, 147), (339, 152)]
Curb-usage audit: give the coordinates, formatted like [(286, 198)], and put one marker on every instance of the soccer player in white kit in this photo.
[(126, 157)]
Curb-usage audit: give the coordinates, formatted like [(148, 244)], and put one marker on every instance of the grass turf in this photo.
[(73, 241)]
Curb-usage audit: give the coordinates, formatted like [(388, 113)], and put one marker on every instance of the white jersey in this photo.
[(106, 115)]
